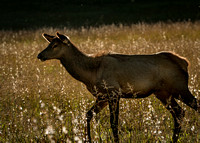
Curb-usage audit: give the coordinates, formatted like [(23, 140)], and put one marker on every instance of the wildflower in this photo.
[(64, 130), (49, 130), (192, 129)]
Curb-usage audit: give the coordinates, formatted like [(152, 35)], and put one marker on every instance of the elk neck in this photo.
[(79, 65)]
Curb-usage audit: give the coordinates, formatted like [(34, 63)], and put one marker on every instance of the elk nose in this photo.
[(39, 56)]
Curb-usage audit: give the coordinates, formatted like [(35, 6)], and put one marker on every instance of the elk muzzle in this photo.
[(41, 57)]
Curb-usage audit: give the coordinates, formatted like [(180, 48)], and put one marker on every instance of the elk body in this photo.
[(110, 77)]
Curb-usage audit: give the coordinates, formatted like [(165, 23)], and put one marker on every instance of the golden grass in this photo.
[(41, 102)]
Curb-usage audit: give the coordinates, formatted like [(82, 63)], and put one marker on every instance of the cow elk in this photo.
[(109, 76)]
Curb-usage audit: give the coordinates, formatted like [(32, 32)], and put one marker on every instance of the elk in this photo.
[(109, 76)]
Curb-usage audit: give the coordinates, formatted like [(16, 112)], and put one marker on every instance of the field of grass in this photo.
[(41, 102)]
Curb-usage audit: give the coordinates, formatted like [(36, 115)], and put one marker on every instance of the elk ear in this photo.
[(49, 38), (62, 37)]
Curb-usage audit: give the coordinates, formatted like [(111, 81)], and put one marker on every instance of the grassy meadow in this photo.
[(41, 102)]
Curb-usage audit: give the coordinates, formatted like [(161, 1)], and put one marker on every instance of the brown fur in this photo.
[(183, 62)]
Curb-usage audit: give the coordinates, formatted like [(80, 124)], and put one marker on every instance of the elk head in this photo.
[(56, 47)]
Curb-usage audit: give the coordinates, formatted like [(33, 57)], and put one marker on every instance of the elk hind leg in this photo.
[(189, 100), (176, 111)]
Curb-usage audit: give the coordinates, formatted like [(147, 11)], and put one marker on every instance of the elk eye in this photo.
[(55, 46)]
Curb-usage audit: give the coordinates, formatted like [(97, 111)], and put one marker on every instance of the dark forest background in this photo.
[(17, 15)]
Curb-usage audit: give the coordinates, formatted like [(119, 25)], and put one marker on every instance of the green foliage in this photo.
[(41, 102)]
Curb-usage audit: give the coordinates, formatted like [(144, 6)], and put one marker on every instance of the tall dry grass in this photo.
[(41, 102)]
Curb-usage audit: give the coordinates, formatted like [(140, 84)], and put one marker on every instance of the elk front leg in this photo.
[(114, 114), (96, 108)]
